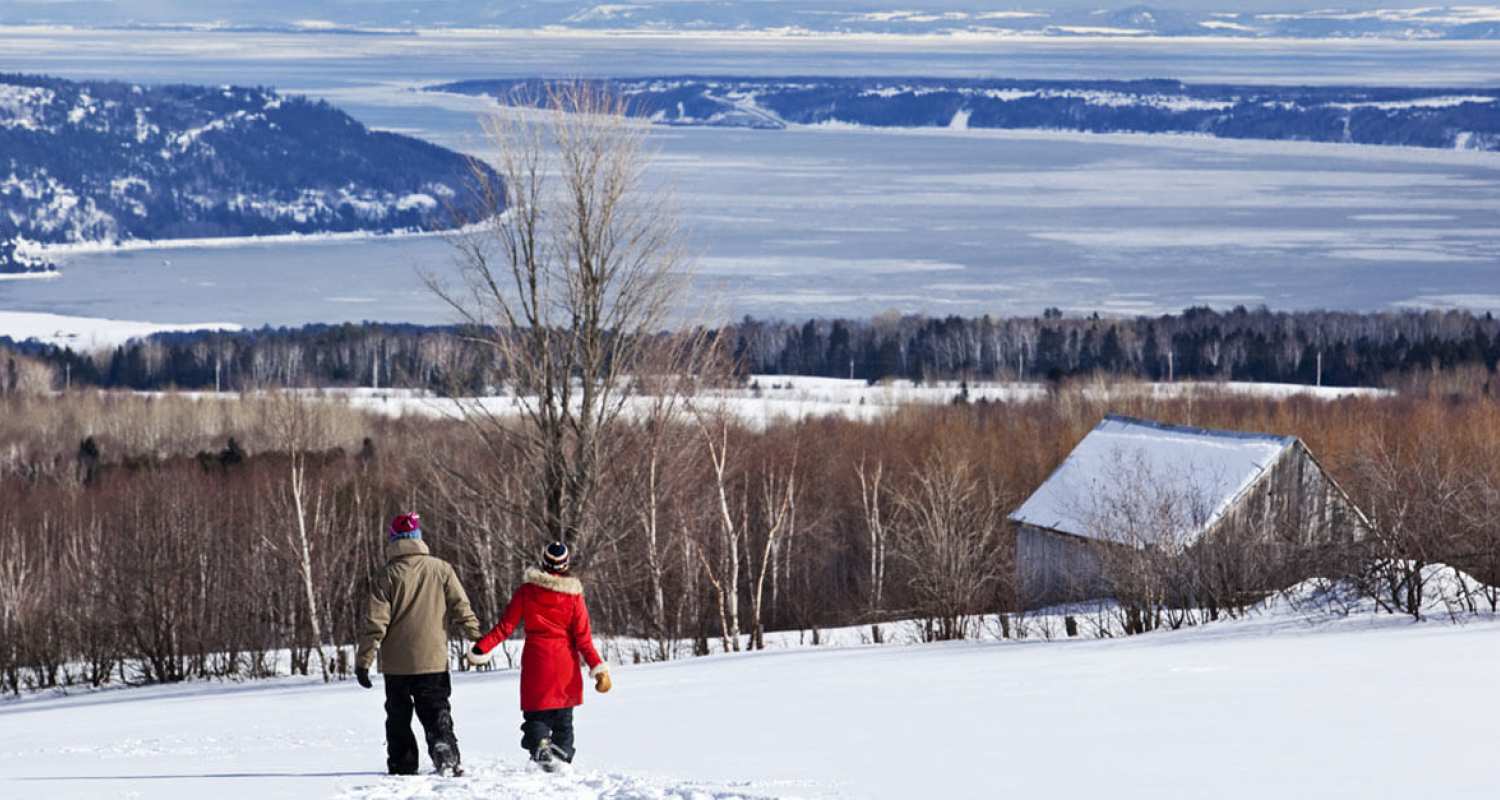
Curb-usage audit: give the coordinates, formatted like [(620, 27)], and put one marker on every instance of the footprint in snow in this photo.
[(501, 781)]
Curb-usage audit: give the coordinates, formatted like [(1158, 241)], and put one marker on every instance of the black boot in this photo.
[(445, 760), (548, 735), (432, 707), (549, 757)]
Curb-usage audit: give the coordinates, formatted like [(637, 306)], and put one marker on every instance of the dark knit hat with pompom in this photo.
[(555, 557)]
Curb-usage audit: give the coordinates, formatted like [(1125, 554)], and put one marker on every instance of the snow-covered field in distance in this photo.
[(1274, 707), (87, 334), (769, 399)]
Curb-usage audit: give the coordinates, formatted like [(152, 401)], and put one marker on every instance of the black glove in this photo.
[(363, 676), (479, 658)]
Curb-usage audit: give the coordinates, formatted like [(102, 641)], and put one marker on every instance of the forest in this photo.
[(1312, 347)]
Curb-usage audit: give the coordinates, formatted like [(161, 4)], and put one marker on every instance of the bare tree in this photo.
[(669, 377), (1144, 520), (949, 537), (479, 509), (570, 271), (15, 580), (777, 517), (731, 523), (1415, 494), (295, 425), (873, 502)]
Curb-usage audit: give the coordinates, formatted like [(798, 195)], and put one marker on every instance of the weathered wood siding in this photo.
[(1294, 504), (1056, 567)]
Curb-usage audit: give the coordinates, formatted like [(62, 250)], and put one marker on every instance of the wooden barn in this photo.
[(1143, 484)]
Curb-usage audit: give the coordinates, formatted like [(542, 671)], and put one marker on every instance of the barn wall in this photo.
[(1055, 567), (1294, 505), (1293, 518)]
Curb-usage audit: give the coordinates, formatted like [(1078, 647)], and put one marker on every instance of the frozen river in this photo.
[(845, 222)]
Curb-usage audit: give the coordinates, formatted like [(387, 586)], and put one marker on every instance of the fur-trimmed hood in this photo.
[(567, 584)]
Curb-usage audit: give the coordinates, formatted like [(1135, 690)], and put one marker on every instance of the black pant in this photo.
[(555, 724), (428, 695)]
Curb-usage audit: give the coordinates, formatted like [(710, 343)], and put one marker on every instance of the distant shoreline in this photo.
[(1202, 141), (30, 276), (769, 34), (64, 250)]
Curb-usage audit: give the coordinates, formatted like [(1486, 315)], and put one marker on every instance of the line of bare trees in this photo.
[(187, 560)]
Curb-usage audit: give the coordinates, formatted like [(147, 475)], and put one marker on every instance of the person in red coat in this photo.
[(549, 604)]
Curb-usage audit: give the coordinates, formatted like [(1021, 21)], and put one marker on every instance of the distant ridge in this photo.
[(1466, 119), (110, 162)]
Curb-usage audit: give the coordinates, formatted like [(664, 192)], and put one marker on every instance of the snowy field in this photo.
[(766, 399), (1277, 707), (87, 334)]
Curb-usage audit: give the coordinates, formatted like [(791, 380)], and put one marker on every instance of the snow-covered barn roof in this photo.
[(1126, 468)]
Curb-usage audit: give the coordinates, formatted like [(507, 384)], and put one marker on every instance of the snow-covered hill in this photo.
[(88, 334), (1270, 708), (1440, 118), (104, 161)]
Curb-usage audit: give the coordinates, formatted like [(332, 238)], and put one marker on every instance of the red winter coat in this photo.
[(557, 633)]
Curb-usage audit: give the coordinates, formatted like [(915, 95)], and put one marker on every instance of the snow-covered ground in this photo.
[(767, 398), (1278, 706), (86, 334), (898, 392)]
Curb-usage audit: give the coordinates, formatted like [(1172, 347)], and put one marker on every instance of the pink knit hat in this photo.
[(405, 526)]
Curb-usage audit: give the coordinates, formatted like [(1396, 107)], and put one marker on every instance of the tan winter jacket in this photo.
[(413, 602)]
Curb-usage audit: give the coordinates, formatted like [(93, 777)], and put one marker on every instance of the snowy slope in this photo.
[(1274, 708), (87, 334), (101, 161)]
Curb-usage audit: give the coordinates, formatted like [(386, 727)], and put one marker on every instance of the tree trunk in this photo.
[(305, 566)]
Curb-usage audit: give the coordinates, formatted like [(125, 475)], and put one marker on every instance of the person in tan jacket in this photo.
[(414, 600)]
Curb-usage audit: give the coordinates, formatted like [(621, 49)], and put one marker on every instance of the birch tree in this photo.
[(873, 502), (730, 523), (295, 428), (15, 579), (778, 516)]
